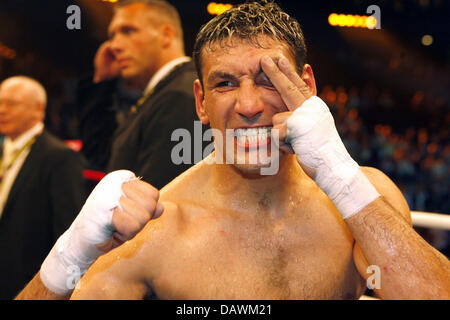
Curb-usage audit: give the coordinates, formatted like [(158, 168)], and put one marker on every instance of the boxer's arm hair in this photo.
[(410, 268), (36, 290)]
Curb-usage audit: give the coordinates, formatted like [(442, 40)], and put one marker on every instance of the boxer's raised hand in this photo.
[(138, 205), (310, 130), (293, 90), (118, 208), (284, 77)]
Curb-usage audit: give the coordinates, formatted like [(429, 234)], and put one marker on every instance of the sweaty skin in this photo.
[(229, 233), (212, 242)]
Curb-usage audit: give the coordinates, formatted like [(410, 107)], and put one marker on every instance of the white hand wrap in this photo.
[(76, 249), (316, 142)]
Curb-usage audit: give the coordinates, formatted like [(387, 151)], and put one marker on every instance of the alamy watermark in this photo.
[(250, 148), (375, 13), (73, 22), (374, 281)]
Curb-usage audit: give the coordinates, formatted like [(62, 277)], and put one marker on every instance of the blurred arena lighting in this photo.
[(7, 52), (427, 40), (218, 8), (349, 20), (111, 1)]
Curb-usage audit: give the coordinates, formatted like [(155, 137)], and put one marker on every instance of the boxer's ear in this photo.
[(200, 102), (308, 77)]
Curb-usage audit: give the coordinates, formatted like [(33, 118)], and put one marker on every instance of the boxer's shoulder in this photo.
[(388, 190), (376, 176), (186, 185), (384, 185)]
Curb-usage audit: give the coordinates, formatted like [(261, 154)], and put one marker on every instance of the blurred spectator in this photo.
[(41, 184), (146, 50), (104, 101)]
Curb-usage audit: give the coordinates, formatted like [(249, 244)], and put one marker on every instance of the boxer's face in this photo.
[(134, 36), (238, 99)]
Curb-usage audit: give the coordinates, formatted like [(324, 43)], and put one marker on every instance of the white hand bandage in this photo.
[(76, 249), (316, 142)]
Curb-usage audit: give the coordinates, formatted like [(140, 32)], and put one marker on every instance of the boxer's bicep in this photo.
[(109, 287), (111, 277), (361, 265), (127, 271), (123, 272)]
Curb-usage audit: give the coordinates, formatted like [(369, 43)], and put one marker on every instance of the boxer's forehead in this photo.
[(240, 57)]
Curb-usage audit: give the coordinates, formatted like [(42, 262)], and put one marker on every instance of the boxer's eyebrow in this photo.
[(219, 75)]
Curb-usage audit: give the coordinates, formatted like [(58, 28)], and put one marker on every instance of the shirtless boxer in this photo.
[(228, 232)]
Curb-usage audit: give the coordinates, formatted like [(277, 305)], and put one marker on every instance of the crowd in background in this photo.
[(417, 159)]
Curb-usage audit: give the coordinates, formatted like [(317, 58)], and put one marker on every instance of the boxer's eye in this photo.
[(224, 84), (263, 80)]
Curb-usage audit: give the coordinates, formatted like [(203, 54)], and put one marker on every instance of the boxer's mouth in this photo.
[(253, 137)]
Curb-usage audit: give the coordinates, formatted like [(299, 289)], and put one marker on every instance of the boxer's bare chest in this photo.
[(225, 255)]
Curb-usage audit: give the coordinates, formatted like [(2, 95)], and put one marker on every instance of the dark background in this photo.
[(36, 30), (388, 92)]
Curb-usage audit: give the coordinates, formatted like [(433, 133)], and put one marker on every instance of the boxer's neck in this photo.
[(254, 191)]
